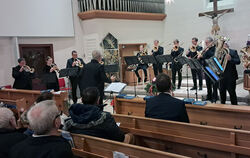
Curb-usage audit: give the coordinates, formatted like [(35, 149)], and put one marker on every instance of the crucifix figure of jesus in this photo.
[(215, 15)]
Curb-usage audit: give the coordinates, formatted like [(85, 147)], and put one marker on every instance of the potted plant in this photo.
[(151, 88)]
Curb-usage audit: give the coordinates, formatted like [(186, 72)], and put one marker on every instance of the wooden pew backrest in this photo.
[(105, 148), (219, 115), (177, 135), (31, 96)]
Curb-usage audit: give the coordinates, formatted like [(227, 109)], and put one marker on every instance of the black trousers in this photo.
[(212, 90), (74, 82), (230, 86), (174, 71), (196, 73), (157, 69), (144, 68)]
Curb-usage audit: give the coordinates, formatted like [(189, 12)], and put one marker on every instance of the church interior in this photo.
[(125, 78)]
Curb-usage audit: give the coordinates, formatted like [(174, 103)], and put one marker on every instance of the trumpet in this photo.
[(101, 62), (28, 69), (78, 63), (54, 67)]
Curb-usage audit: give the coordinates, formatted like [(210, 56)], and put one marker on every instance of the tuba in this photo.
[(245, 58), (221, 52), (28, 69)]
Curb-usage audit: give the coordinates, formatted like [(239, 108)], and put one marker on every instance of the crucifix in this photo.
[(215, 15)]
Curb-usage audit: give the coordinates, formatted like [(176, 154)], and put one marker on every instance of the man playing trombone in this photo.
[(207, 53), (192, 53), (23, 75), (176, 52)]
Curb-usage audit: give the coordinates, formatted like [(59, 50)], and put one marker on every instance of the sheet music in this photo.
[(119, 155), (116, 87)]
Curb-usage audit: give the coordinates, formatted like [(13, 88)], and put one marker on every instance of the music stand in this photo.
[(164, 58), (132, 60), (149, 59), (111, 68), (68, 72)]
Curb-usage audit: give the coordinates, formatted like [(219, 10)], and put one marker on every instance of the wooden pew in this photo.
[(219, 115), (31, 96), (187, 139), (88, 146), (19, 103)]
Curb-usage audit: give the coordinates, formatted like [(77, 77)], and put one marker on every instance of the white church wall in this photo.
[(183, 23), (126, 31), (6, 60)]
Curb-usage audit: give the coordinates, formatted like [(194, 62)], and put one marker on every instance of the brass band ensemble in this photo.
[(214, 48)]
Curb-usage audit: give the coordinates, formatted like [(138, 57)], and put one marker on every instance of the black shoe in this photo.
[(200, 89), (179, 87), (193, 88), (145, 80), (139, 80)]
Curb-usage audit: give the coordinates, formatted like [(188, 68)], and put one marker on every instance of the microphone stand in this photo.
[(187, 82)]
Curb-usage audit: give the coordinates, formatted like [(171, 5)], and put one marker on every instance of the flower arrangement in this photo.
[(151, 88)]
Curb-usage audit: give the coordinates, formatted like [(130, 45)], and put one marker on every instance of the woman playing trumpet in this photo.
[(50, 75), (23, 75)]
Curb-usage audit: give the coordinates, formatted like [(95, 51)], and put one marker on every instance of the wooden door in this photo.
[(128, 50), (35, 56)]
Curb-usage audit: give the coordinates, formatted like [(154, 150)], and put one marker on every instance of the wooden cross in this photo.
[(215, 15)]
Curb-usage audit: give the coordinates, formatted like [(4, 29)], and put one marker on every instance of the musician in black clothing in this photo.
[(230, 75), (212, 93), (93, 75), (192, 53), (75, 62), (50, 75), (177, 51), (23, 75), (158, 50), (141, 65)]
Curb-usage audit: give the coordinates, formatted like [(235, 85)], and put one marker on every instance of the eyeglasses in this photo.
[(60, 114)]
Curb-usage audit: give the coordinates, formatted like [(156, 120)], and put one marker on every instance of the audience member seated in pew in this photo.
[(164, 106), (9, 135), (24, 120), (46, 141), (89, 119)]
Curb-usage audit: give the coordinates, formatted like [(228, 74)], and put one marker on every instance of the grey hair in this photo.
[(5, 116), (209, 39), (41, 117), (176, 41), (96, 55)]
